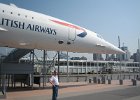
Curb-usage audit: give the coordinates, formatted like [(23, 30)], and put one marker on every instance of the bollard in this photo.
[(121, 82), (134, 81), (99, 81), (90, 80), (137, 77), (85, 78), (77, 79), (124, 77), (107, 77), (111, 76), (94, 79), (118, 77), (109, 81), (129, 77), (103, 79)]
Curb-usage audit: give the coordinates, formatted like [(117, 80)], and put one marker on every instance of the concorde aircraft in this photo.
[(21, 28)]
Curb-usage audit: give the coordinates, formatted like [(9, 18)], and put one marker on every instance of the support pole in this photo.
[(139, 57), (139, 70), (86, 67), (67, 67), (58, 65), (31, 78), (44, 63), (97, 69), (121, 80)]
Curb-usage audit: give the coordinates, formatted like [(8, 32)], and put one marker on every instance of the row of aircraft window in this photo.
[(17, 14), (97, 64)]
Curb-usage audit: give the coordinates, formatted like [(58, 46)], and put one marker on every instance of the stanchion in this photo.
[(134, 82), (95, 79), (121, 82), (124, 77), (90, 80), (99, 81), (107, 77), (118, 77), (103, 79), (77, 79), (109, 81), (111, 76), (129, 77)]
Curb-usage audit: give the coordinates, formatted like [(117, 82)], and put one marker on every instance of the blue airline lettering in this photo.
[(23, 25)]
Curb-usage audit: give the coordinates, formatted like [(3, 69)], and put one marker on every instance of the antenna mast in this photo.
[(119, 41), (138, 45)]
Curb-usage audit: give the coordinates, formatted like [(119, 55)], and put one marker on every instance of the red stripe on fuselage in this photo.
[(67, 24)]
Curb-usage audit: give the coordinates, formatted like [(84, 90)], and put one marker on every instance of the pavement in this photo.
[(79, 91)]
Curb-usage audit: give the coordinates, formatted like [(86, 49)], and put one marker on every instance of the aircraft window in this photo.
[(11, 12), (26, 16), (32, 17), (18, 14), (2, 10), (99, 36)]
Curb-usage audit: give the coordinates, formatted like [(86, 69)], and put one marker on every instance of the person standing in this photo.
[(55, 85)]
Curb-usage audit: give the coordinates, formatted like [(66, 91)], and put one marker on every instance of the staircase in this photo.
[(15, 55)]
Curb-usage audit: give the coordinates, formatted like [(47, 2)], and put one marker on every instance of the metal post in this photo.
[(82, 67), (86, 67), (31, 78), (67, 67), (44, 63), (120, 71), (139, 70), (121, 80), (129, 74), (139, 57), (0, 77), (98, 79), (58, 65)]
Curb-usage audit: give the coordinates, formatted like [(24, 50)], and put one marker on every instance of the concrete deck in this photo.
[(66, 90)]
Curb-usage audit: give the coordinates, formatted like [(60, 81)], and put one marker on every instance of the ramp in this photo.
[(16, 54)]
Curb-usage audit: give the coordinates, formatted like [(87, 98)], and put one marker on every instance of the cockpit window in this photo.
[(99, 36)]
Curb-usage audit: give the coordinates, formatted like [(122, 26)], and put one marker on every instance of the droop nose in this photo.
[(113, 49)]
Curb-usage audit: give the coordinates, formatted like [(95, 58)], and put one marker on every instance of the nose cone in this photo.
[(118, 51), (113, 49)]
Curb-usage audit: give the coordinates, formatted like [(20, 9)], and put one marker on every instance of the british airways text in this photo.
[(23, 25)]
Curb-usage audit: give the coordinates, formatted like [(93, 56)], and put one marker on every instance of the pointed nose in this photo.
[(118, 50), (113, 49)]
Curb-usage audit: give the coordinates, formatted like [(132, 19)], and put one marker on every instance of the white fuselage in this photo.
[(20, 28)]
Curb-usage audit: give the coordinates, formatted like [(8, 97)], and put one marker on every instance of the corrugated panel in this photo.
[(10, 68)]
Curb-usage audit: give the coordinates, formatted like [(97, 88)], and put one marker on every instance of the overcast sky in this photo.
[(109, 18)]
